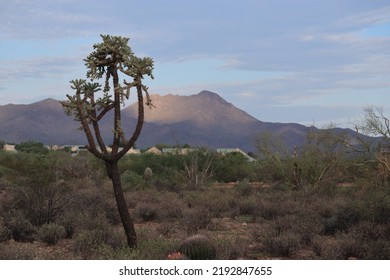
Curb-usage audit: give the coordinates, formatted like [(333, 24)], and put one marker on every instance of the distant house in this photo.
[(154, 150), (132, 151), (55, 148), (177, 151), (235, 150), (73, 149), (9, 148)]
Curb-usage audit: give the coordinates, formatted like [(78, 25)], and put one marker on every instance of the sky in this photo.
[(312, 62)]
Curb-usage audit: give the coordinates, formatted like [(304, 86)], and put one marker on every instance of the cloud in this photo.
[(44, 19), (37, 68), (364, 19)]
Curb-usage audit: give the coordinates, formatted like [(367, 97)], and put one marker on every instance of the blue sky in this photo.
[(304, 61)]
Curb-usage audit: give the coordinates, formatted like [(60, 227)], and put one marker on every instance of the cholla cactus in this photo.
[(198, 247), (148, 174)]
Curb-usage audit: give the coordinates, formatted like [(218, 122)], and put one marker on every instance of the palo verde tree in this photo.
[(111, 59)]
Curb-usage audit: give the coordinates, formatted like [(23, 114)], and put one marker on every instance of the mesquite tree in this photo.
[(90, 104)]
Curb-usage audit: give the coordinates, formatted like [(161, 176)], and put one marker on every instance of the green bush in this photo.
[(5, 233), (51, 233), (147, 212), (282, 245), (232, 167), (342, 219), (15, 252), (195, 219), (21, 229), (39, 195), (243, 188), (248, 207), (67, 221), (131, 180), (91, 245), (32, 147), (339, 247)]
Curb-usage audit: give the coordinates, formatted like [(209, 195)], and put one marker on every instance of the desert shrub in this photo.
[(374, 238), (243, 188), (38, 193), (67, 221), (342, 219), (269, 210), (232, 167), (87, 222), (6, 172), (282, 245), (376, 205), (166, 229), (166, 205), (307, 227), (151, 248), (111, 212), (231, 248), (169, 210), (195, 218), (99, 224), (147, 212), (95, 200), (91, 245), (73, 168), (21, 228), (339, 247), (5, 233), (370, 231), (51, 233), (165, 167), (15, 252), (131, 180), (219, 203), (198, 247), (248, 206), (378, 250), (32, 147)]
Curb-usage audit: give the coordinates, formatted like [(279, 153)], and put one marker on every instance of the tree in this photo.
[(374, 140), (319, 161), (32, 147), (110, 59)]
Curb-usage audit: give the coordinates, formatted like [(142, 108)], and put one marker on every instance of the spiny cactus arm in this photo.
[(82, 106), (135, 67), (104, 105), (137, 131), (89, 90), (114, 50)]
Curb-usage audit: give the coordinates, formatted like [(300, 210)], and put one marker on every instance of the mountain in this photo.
[(203, 119), (206, 119), (43, 121)]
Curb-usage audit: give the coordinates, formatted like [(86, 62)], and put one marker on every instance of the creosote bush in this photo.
[(21, 228), (5, 233), (91, 245), (51, 233)]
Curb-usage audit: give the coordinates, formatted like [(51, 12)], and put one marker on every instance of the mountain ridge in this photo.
[(203, 119)]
